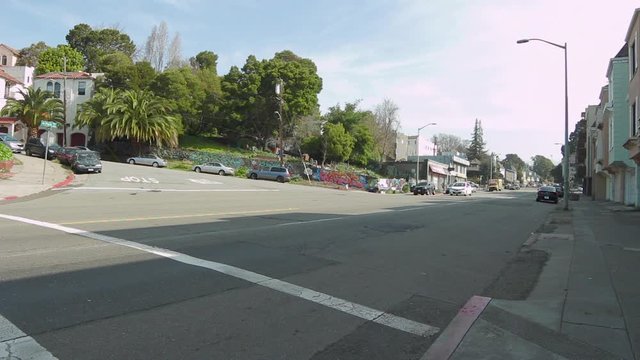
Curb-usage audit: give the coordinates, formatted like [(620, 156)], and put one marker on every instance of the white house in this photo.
[(8, 55), (75, 88)]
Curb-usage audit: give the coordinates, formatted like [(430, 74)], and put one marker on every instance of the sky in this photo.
[(447, 62)]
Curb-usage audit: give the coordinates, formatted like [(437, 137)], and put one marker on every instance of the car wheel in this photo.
[(155, 164), (280, 179), (254, 176), (555, 202), (132, 162), (197, 170), (221, 172), (415, 193), (537, 200)]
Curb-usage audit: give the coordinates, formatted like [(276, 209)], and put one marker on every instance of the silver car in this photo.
[(149, 159), (214, 168), (12, 143)]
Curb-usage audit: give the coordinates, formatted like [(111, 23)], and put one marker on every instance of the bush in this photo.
[(242, 171), (5, 153)]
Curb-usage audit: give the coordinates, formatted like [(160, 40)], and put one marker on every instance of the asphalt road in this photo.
[(141, 263)]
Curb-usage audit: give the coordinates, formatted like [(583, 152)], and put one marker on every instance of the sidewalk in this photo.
[(27, 178), (585, 305)]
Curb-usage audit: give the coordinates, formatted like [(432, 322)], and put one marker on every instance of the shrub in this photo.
[(5, 153), (242, 171)]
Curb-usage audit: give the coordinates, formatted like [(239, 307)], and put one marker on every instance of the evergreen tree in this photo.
[(476, 147)]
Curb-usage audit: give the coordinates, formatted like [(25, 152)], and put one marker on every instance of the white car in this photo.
[(12, 143), (149, 159), (461, 188), (214, 168)]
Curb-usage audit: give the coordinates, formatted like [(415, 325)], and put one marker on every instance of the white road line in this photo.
[(162, 190), (15, 344), (332, 302)]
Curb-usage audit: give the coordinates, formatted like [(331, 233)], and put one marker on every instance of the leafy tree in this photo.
[(36, 105), (137, 115), (364, 149), (556, 173), (450, 143), (514, 162), (542, 166), (356, 123), (94, 44), (205, 60), (53, 60), (29, 55), (338, 143), (185, 94), (476, 146)]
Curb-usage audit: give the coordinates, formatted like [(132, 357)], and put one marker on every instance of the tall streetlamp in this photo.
[(418, 152), (280, 129), (565, 160)]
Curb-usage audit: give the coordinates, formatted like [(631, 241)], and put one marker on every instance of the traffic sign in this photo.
[(44, 124)]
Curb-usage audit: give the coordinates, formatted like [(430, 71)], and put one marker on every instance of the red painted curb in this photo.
[(64, 182), (9, 198), (452, 336)]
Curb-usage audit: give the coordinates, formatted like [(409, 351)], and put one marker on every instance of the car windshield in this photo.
[(459, 184), (8, 138)]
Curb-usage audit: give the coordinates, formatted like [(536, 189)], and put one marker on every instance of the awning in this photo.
[(437, 169)]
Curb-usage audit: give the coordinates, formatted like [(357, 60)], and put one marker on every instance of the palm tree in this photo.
[(134, 114), (36, 105), (93, 112)]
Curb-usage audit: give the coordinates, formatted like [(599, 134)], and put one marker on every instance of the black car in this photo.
[(424, 188), (559, 190), (35, 147), (547, 194), (86, 162)]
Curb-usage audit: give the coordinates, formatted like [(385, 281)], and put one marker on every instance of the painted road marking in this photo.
[(136, 179), (15, 344), (147, 218), (164, 190), (205, 182), (361, 311)]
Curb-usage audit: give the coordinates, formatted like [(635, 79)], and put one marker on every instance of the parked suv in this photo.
[(424, 188), (35, 147)]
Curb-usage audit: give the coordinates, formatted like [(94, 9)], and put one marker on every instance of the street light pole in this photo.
[(565, 160), (279, 112), (418, 152)]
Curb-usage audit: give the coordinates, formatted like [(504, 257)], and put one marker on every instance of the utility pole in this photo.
[(280, 140), (64, 103)]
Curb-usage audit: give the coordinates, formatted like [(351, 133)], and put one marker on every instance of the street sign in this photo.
[(44, 124)]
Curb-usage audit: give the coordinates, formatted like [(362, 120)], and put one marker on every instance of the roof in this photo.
[(634, 18), (4, 120), (14, 51), (9, 78), (61, 75)]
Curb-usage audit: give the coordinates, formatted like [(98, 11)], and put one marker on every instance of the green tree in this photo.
[(126, 76), (29, 55), (514, 162), (53, 60), (337, 142), (357, 123), (36, 105), (139, 116), (92, 112), (542, 166), (556, 173), (94, 44), (205, 60), (476, 146)]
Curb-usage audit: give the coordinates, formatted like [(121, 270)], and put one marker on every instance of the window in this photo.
[(56, 90), (82, 86), (4, 59), (634, 119), (634, 59), (50, 87)]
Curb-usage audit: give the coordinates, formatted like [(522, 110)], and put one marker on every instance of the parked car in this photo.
[(559, 190), (424, 188), (280, 174), (214, 168), (12, 143), (461, 188), (547, 194), (474, 186), (86, 161), (147, 159), (65, 154), (35, 147)]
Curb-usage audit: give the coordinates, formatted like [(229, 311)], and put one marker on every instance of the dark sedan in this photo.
[(547, 194), (65, 154), (86, 162)]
